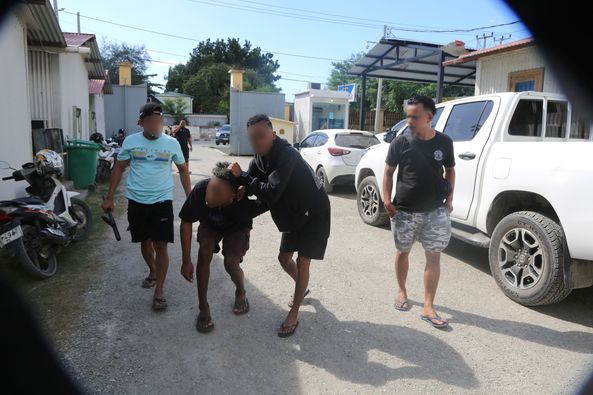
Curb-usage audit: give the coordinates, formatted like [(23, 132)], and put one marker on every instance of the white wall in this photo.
[(493, 71), (15, 133), (98, 106), (302, 116), (74, 91)]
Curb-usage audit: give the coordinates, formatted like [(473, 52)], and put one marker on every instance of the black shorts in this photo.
[(235, 244), (151, 221), (185, 154), (311, 240)]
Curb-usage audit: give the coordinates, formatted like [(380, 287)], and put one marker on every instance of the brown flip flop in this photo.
[(291, 330)]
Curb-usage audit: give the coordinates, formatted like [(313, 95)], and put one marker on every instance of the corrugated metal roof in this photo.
[(77, 39), (43, 28), (96, 86), (412, 61), (94, 63), (472, 56)]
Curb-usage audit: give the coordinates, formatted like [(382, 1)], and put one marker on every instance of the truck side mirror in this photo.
[(297, 146)]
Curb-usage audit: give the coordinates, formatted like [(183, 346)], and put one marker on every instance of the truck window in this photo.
[(527, 119), (556, 119), (436, 117), (580, 128), (466, 119)]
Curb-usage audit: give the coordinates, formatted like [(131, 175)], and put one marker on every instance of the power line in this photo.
[(190, 38)]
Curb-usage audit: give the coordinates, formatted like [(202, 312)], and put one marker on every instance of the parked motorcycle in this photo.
[(106, 161), (35, 228)]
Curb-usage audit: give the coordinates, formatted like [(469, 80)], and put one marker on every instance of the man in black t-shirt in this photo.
[(300, 207), (213, 202), (423, 200), (183, 136)]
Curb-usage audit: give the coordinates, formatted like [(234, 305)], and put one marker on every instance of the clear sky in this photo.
[(331, 29)]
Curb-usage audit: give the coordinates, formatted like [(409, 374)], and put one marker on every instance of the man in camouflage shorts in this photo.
[(423, 200)]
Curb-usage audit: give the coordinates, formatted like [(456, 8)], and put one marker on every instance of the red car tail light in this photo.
[(337, 151)]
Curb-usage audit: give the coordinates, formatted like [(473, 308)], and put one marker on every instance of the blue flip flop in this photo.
[(431, 321), (402, 305)]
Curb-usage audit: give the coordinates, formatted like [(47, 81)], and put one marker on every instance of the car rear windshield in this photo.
[(354, 140)]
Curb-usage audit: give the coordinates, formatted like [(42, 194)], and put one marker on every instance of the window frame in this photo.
[(313, 137), (536, 75), (484, 103)]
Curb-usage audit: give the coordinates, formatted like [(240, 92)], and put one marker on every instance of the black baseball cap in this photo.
[(150, 109)]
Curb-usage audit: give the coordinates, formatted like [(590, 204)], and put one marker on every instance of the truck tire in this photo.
[(370, 206), (527, 255)]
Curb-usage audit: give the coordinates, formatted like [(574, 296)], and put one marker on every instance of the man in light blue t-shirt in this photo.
[(150, 193)]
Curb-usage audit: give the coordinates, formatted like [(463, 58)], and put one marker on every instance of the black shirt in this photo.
[(288, 185), (182, 136), (420, 184), (235, 216)]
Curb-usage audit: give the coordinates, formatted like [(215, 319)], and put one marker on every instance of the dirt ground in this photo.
[(350, 340)]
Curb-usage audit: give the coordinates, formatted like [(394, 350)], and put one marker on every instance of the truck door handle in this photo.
[(467, 156)]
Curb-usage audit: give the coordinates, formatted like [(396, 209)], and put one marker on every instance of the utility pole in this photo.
[(502, 38), (78, 21), (56, 10), (378, 106), (483, 38)]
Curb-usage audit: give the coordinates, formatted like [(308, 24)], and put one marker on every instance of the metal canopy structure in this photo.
[(413, 61)]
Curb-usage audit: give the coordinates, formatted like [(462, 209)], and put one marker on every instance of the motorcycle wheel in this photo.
[(37, 258), (82, 213)]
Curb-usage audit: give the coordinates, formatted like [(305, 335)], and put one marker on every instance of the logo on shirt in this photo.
[(438, 155)]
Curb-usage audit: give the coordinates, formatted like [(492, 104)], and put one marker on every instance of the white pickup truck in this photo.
[(524, 189)]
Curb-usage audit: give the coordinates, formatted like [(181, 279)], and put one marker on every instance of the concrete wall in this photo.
[(243, 106), (493, 71), (97, 104), (15, 133), (74, 92), (122, 108), (202, 120), (303, 113)]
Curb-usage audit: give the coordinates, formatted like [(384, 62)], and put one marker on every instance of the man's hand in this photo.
[(107, 204), (187, 271), (390, 207), (235, 169)]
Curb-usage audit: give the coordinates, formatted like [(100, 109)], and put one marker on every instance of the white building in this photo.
[(516, 66), (316, 109), (46, 82)]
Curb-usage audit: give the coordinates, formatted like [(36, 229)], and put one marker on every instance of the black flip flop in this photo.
[(238, 306), (402, 305), (283, 334), (431, 321), (206, 319)]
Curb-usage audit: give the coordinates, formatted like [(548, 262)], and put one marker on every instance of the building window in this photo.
[(527, 80)]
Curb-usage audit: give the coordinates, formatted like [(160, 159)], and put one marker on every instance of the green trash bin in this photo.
[(82, 162)]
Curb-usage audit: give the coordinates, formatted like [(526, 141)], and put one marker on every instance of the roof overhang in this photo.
[(94, 62), (499, 49), (43, 28), (414, 61)]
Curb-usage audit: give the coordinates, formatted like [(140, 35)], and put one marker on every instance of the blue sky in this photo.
[(293, 32)]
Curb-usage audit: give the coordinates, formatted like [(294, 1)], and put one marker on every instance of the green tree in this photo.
[(176, 107), (205, 75), (114, 53)]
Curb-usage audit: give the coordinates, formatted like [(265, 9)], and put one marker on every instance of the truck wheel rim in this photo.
[(520, 258), (369, 199)]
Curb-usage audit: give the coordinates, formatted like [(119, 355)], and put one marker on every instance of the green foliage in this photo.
[(205, 76), (176, 107), (395, 93)]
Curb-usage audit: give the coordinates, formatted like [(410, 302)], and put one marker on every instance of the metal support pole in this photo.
[(362, 99), (78, 21), (378, 106), (440, 76)]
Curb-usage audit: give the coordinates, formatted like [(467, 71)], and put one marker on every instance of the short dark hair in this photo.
[(259, 118), (426, 102), (221, 170)]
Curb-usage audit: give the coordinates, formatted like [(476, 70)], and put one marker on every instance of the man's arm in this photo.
[(116, 174), (187, 267), (184, 176), (271, 190), (176, 130), (450, 177), (388, 188)]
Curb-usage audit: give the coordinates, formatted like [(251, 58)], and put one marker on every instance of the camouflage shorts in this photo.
[(432, 229)]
